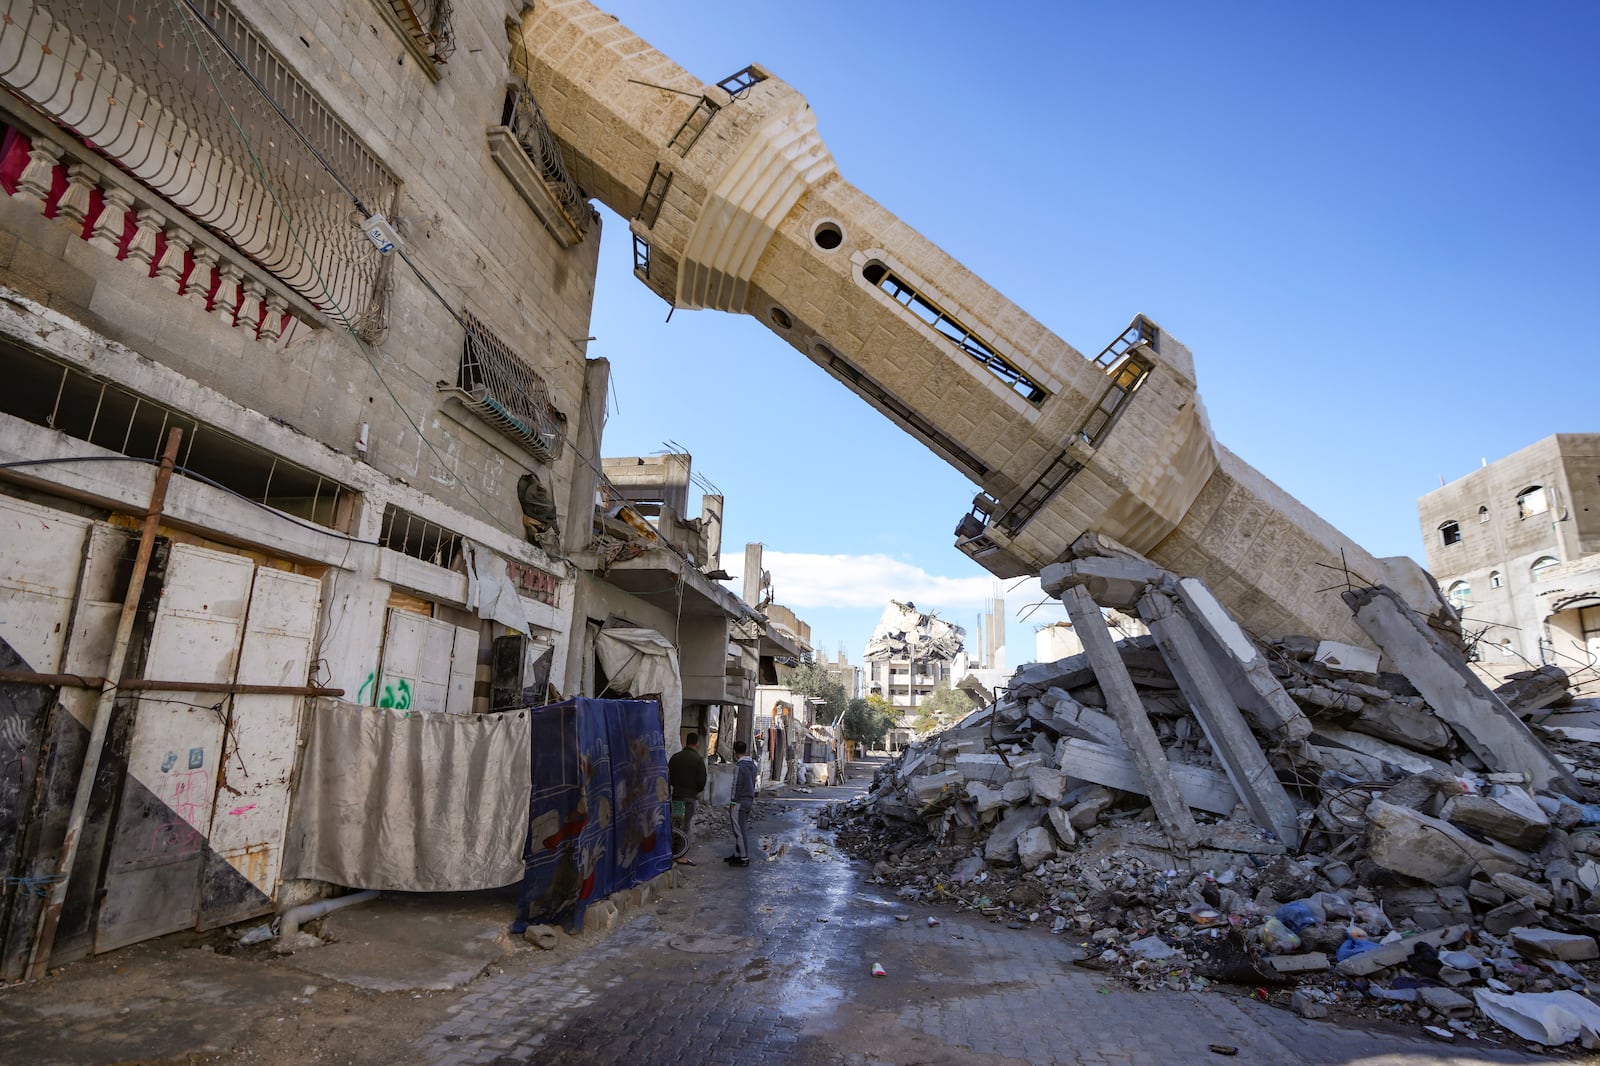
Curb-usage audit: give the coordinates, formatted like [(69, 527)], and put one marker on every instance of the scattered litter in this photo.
[(879, 971), (259, 934), (932, 921)]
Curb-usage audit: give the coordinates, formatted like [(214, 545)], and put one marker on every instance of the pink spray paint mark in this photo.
[(242, 810)]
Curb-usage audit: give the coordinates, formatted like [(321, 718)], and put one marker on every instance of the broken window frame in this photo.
[(1541, 568), (1532, 501), (1450, 532), (641, 257), (739, 82), (1460, 595), (1141, 331), (930, 314), (425, 27), (410, 534)]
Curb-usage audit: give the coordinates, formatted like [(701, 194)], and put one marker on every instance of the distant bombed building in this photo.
[(1516, 548), (736, 204), (910, 654)]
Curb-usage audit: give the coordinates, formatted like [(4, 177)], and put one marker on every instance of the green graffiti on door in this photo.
[(365, 689), (396, 695)]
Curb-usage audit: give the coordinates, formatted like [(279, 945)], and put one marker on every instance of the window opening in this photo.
[(503, 390), (413, 535), (1495, 580), (1531, 501), (1483, 514), (954, 331), (1046, 485), (1542, 566), (1460, 595), (1450, 533), (828, 236), (739, 82), (641, 256), (51, 394)]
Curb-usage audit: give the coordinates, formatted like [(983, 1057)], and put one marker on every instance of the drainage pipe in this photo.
[(289, 924)]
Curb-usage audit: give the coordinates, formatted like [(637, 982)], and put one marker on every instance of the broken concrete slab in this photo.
[(1087, 811), (1382, 750), (1346, 658), (1144, 755), (1202, 789), (1305, 962), (1521, 888), (986, 798), (1243, 668), (982, 768), (1508, 916), (1444, 1001), (1528, 691), (1431, 850), (1109, 582), (1440, 674), (1504, 812), (929, 787), (1550, 944), (1076, 720), (1061, 821), (1247, 767), (1409, 726), (1386, 955), (1001, 846), (1014, 792), (1046, 784)]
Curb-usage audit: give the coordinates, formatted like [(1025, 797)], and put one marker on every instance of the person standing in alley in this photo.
[(743, 799), (686, 776)]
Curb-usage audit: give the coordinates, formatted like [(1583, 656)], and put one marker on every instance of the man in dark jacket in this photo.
[(739, 805), (686, 776)]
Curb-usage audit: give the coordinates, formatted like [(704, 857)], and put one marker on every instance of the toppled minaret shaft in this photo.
[(736, 204)]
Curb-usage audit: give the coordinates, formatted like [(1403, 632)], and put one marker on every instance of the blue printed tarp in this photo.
[(598, 821)]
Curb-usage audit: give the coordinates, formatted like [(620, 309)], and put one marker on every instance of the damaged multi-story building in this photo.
[(302, 448), (1515, 545)]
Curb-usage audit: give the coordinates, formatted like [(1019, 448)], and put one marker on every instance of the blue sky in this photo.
[(1374, 224)]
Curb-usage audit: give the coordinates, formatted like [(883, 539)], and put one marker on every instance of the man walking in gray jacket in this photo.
[(743, 799)]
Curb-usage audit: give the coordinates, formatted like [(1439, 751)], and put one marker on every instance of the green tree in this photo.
[(810, 679), (945, 704), (868, 721)]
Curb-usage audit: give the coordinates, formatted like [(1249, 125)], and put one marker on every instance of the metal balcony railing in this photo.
[(528, 125)]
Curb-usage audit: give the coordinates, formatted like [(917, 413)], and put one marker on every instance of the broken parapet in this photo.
[(1440, 674)]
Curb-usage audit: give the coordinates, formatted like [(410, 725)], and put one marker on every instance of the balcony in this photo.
[(526, 152), (212, 128)]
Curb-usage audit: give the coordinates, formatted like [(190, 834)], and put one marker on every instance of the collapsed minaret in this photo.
[(735, 204)]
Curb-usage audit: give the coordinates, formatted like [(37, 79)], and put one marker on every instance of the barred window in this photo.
[(506, 392)]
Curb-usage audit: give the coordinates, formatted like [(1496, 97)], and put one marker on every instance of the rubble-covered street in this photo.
[(1304, 823)]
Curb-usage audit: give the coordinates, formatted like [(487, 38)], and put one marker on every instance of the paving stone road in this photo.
[(772, 964)]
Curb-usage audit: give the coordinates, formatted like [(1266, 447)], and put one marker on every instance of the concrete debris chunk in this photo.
[(1504, 812), (1550, 944), (983, 769), (1346, 658), (929, 787), (1034, 846), (1432, 850), (1386, 955)]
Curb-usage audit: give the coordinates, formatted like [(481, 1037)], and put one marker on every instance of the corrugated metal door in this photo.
[(428, 664)]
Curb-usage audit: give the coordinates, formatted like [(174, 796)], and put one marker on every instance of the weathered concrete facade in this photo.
[(1515, 546), (362, 436), (736, 205)]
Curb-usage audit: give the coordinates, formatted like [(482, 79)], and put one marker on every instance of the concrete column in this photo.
[(577, 526), (1252, 776), (1123, 701), (1479, 717)]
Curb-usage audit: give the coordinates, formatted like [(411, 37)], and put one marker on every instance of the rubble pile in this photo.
[(1439, 861)]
